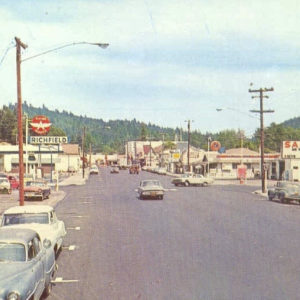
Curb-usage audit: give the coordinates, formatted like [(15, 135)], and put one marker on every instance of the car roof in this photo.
[(29, 209), (150, 180), (19, 235)]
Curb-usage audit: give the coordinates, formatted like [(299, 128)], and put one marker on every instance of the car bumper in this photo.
[(152, 194)]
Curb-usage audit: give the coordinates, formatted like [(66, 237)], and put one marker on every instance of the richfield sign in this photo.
[(54, 140), (41, 125), (291, 149)]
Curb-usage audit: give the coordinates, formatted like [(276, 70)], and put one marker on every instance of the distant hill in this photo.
[(103, 136), (295, 122), (110, 137)]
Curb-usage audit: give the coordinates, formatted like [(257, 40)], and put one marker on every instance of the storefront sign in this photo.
[(291, 149), (175, 156), (48, 140)]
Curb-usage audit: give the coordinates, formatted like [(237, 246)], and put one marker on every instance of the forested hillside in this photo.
[(295, 123), (110, 137)]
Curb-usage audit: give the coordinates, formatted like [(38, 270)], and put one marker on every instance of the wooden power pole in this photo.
[(261, 111)]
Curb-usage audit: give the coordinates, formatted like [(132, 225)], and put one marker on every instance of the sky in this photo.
[(168, 61)]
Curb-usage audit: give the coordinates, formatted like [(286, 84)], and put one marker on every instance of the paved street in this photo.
[(220, 242)]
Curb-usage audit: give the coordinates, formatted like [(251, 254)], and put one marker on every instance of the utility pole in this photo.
[(150, 153), (127, 152), (208, 146), (83, 158), (261, 111), (189, 142), (162, 149), (20, 45), (90, 160)]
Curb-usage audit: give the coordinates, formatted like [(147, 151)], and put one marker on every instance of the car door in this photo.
[(38, 268), (58, 227)]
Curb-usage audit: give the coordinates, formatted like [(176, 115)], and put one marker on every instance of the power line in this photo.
[(10, 46)]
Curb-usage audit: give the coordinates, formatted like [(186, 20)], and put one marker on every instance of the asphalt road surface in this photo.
[(219, 242)]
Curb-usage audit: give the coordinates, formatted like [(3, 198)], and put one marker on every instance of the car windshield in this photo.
[(288, 185), (13, 219), (151, 182), (12, 252), (35, 183), (3, 180)]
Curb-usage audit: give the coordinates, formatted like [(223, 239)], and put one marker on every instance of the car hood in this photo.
[(11, 270), (152, 187), (32, 188)]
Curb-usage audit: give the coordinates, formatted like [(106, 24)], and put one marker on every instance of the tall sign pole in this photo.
[(20, 45), (262, 138)]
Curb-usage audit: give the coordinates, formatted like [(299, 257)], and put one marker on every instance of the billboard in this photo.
[(290, 149)]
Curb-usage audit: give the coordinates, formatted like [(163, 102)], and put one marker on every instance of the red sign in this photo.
[(40, 124), (215, 146)]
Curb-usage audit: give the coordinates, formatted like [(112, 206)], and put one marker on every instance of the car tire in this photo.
[(186, 183), (205, 184), (270, 198), (47, 290), (281, 199), (176, 184)]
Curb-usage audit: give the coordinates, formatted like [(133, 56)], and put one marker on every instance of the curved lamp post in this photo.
[(20, 45)]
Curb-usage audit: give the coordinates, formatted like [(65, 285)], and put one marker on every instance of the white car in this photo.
[(5, 185), (94, 170), (192, 179), (41, 218)]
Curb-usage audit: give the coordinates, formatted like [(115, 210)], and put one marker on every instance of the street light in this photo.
[(20, 45)]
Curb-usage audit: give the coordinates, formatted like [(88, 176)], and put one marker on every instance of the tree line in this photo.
[(110, 137)]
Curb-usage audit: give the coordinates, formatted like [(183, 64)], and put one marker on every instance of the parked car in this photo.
[(192, 179), (14, 181), (151, 189), (36, 189), (41, 218), (27, 264), (285, 192), (5, 187), (114, 169), (94, 170)]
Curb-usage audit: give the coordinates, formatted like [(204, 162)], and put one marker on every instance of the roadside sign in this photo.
[(40, 124), (48, 140)]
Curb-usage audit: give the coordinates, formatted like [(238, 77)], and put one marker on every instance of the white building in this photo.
[(289, 165), (40, 158)]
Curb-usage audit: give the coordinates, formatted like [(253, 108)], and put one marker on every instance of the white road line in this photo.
[(61, 280), (70, 248), (74, 228)]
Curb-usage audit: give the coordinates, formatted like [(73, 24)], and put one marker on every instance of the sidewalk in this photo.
[(7, 201), (74, 179)]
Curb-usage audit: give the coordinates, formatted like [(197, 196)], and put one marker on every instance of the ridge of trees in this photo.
[(110, 137)]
